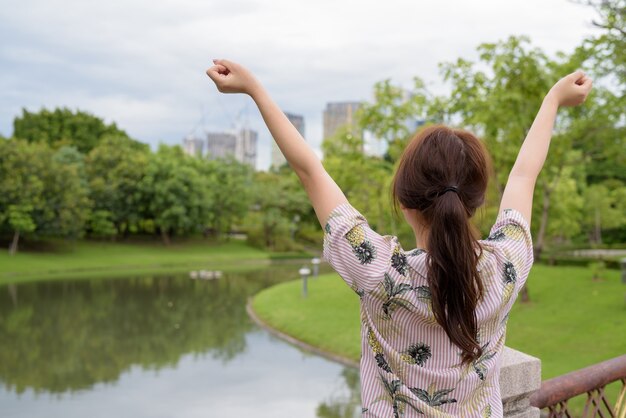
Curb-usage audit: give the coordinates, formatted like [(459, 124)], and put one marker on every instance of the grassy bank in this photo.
[(571, 322), (88, 259)]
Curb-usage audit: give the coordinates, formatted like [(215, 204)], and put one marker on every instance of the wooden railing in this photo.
[(554, 394)]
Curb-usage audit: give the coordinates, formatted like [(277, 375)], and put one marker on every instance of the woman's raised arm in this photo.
[(325, 195), (571, 90)]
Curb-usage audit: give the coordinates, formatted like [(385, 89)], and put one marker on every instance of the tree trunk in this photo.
[(381, 213), (598, 227), (165, 236), (543, 225), (13, 293), (13, 247)]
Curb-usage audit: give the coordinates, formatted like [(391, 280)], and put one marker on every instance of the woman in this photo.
[(433, 319)]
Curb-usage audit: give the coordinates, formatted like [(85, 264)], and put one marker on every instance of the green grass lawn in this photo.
[(92, 259), (571, 321)]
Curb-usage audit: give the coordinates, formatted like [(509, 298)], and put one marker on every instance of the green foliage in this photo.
[(598, 269), (279, 204), (114, 171), (67, 174), (101, 224), (365, 180), (173, 193), (501, 103), (61, 127), (41, 191), (230, 192), (390, 115), (498, 100), (20, 218), (608, 50), (21, 187), (604, 208), (566, 202), (66, 196)]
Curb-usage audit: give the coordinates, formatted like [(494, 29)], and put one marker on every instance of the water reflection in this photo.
[(66, 347), (67, 336), (346, 401)]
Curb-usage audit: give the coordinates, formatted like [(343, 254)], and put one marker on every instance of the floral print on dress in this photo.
[(417, 354), (355, 287), (398, 261), (496, 236), (392, 393), (415, 252), (405, 368), (479, 365), (362, 248), (509, 278), (394, 296), (424, 296), (378, 351), (432, 397)]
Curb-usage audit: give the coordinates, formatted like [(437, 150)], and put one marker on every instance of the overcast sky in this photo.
[(142, 63)]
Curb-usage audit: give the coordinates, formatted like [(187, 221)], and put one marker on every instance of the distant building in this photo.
[(241, 145), (220, 144), (193, 146), (278, 159), (246, 147), (339, 114)]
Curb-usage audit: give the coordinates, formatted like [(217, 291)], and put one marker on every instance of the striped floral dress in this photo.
[(409, 367)]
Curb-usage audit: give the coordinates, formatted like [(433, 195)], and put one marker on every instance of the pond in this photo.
[(158, 346)]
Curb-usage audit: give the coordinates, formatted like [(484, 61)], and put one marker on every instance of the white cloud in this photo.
[(141, 63)]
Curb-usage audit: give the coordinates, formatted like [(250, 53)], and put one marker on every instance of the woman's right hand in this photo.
[(571, 90), (230, 77)]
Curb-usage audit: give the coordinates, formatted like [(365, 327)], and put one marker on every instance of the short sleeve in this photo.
[(359, 254), (512, 242)]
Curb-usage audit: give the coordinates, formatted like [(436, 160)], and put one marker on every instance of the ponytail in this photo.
[(452, 275), (443, 173)]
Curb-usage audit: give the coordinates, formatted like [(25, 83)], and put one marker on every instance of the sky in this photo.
[(141, 64)]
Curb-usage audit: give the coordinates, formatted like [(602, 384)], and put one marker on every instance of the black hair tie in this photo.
[(449, 189)]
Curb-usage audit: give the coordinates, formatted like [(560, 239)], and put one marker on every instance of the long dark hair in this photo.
[(439, 157)]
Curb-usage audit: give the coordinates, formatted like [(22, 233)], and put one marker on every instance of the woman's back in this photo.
[(431, 332), (409, 366)]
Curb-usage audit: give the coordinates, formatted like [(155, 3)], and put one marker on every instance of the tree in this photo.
[(392, 115), (115, 169), (604, 208), (279, 204), (609, 49), (21, 186), (173, 193), (230, 191), (61, 127), (66, 200), (364, 179), (20, 219), (41, 191)]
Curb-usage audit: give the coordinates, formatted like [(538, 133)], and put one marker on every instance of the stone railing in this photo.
[(520, 377)]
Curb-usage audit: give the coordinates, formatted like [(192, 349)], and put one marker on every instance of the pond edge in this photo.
[(296, 342)]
